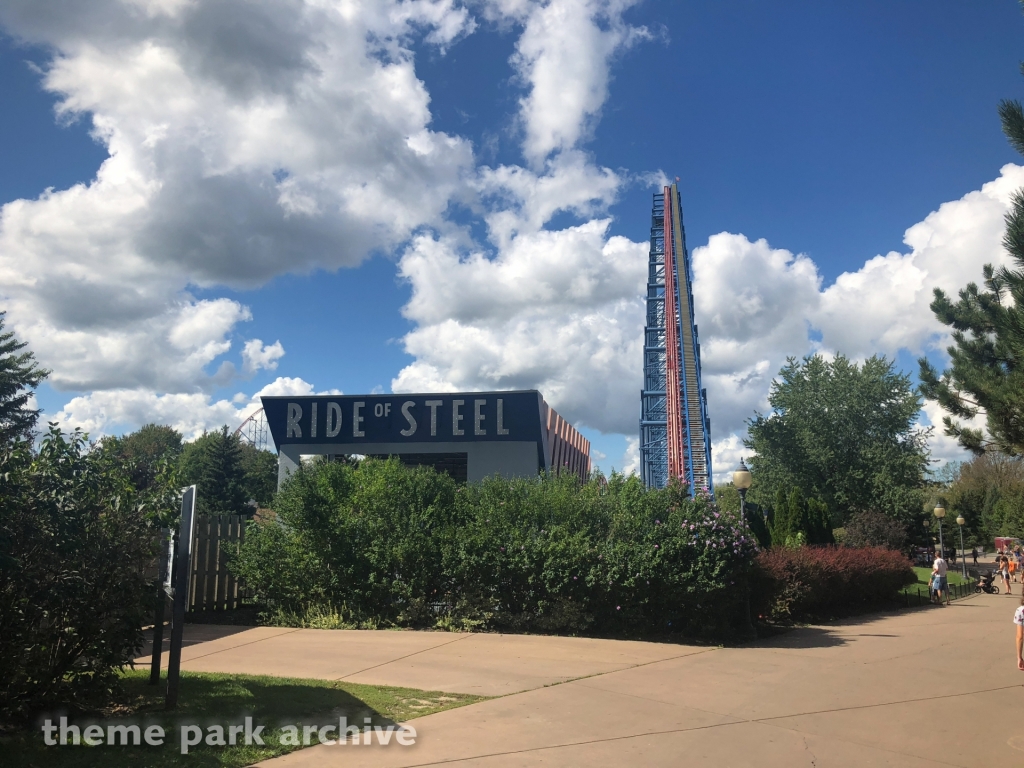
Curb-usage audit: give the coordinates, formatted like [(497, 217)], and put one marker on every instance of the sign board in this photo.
[(351, 421), (167, 562)]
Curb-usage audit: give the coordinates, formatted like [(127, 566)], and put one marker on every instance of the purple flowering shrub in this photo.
[(408, 547)]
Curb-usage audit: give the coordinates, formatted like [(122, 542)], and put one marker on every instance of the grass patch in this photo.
[(924, 578), (206, 699)]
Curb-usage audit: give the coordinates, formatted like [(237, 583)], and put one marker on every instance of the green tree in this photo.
[(819, 523), (781, 527), (985, 377), (74, 547), (873, 529), (144, 452), (842, 433), (727, 497), (19, 376), (213, 463), (259, 470), (989, 492)]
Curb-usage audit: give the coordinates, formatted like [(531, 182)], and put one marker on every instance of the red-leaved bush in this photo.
[(820, 582)]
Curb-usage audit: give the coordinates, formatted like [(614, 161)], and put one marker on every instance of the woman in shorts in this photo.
[(1004, 572)]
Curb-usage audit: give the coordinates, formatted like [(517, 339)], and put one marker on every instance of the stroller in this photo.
[(985, 584)]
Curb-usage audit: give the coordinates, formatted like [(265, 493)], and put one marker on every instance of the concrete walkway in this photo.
[(935, 686)]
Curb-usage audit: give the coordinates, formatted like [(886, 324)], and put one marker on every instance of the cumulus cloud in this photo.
[(758, 305), (567, 72), (112, 411), (245, 140), (631, 456), (559, 311), (259, 356)]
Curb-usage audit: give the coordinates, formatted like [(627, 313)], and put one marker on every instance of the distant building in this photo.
[(470, 435)]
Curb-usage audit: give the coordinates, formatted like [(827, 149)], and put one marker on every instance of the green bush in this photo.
[(382, 544), (73, 598)]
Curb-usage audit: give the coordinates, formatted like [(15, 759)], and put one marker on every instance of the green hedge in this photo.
[(380, 544)]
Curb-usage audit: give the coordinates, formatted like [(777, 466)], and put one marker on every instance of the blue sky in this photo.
[(824, 129)]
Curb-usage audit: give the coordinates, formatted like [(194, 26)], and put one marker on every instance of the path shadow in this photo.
[(194, 634), (802, 638)]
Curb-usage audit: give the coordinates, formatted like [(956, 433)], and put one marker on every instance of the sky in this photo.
[(205, 200)]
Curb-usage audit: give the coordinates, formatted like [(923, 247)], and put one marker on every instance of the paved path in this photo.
[(929, 687)]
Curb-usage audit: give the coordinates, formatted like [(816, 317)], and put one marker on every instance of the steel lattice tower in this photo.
[(674, 425)]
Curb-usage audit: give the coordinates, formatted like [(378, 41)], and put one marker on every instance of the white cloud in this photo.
[(259, 356), (725, 456), (943, 447), (631, 457), (883, 306), (557, 310), (564, 55), (114, 411), (560, 311), (245, 140), (517, 200), (752, 304), (756, 306)]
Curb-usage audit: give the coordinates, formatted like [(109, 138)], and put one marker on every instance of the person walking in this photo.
[(1011, 564), (974, 554), (1018, 619), (939, 584), (1003, 565)]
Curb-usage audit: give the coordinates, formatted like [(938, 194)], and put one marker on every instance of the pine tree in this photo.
[(214, 464), (780, 524), (986, 373), (798, 520), (755, 517), (19, 376), (819, 526)]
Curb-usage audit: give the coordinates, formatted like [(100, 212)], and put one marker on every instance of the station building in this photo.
[(470, 435)]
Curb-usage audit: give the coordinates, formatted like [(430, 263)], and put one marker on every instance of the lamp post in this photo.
[(963, 555), (741, 480), (940, 512)]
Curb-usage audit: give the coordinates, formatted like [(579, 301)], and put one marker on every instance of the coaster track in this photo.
[(254, 430), (674, 425)]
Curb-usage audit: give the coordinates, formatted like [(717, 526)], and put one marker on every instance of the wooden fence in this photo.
[(213, 587)]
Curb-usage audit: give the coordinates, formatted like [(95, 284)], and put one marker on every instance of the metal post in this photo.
[(158, 618), (963, 554), (942, 549), (743, 503), (182, 576)]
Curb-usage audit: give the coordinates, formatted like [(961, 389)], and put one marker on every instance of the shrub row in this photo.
[(381, 544), (822, 582)]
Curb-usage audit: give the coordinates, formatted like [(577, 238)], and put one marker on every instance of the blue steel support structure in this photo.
[(674, 425)]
